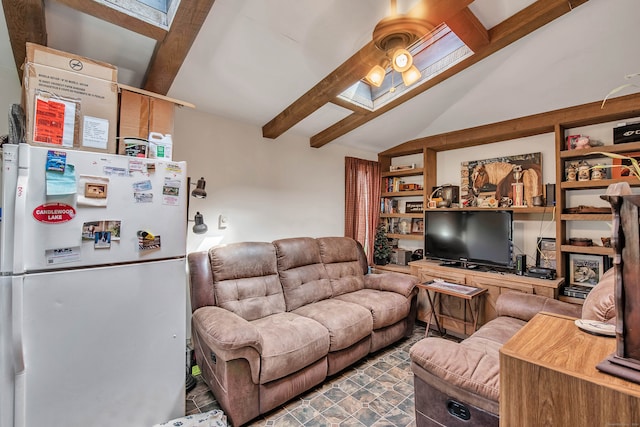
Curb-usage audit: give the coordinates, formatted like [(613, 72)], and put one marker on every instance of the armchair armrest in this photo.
[(402, 284), (524, 306), (225, 330)]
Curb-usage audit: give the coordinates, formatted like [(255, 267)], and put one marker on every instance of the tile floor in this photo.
[(377, 391)]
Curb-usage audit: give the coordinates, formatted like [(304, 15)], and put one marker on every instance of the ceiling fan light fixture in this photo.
[(401, 60), (411, 76), (376, 75)]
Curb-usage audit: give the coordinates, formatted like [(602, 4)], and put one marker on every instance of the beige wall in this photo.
[(267, 189)]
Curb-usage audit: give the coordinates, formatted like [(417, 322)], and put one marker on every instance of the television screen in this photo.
[(469, 237)]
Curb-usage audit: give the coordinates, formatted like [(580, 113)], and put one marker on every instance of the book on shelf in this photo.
[(576, 291), (389, 206)]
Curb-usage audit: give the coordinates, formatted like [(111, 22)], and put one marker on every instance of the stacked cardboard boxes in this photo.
[(70, 101)]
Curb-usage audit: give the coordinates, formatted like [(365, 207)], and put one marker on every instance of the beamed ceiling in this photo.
[(27, 22)]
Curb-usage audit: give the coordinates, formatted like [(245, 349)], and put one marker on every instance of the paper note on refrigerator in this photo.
[(61, 184)]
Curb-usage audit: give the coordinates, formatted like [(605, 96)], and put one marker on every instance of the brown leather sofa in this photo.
[(458, 384), (272, 320)]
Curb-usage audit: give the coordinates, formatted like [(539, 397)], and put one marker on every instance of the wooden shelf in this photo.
[(406, 236), (602, 183), (594, 250), (408, 193), (595, 151), (585, 217), (406, 172), (523, 210), (402, 215)]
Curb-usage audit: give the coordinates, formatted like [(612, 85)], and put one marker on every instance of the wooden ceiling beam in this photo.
[(469, 29), (536, 124), (171, 52), (117, 17), (519, 25), (25, 23), (349, 106), (327, 90), (354, 69)]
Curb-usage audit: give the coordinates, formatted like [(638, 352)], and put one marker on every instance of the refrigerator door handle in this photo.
[(16, 323), (20, 212)]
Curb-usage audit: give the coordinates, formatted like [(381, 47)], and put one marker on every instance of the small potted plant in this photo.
[(381, 246)]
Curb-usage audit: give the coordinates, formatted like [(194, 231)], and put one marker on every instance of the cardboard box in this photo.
[(141, 113), (70, 101)]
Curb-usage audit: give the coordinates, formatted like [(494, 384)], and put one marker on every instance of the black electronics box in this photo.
[(541, 273), (442, 191), (403, 257), (551, 194), (521, 264), (626, 133)]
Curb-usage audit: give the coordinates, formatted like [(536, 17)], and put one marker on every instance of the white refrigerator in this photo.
[(93, 288)]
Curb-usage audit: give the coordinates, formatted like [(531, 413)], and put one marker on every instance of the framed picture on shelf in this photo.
[(586, 270), (404, 226), (546, 254), (413, 207), (619, 170), (417, 226)]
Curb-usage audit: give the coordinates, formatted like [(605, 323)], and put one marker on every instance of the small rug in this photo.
[(215, 418)]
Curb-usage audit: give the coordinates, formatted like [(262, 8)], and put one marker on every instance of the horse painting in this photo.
[(496, 176)]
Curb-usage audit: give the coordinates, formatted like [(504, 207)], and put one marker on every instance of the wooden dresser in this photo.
[(548, 377)]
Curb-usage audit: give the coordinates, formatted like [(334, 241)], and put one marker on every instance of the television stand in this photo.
[(455, 313)]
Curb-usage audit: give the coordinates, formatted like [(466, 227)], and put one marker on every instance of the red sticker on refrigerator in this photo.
[(54, 213)]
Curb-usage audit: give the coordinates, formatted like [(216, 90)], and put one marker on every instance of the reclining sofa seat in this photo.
[(272, 320), (465, 376)]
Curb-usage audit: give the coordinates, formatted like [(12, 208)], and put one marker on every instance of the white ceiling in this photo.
[(253, 58)]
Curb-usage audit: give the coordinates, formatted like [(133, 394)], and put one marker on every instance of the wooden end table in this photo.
[(469, 294)]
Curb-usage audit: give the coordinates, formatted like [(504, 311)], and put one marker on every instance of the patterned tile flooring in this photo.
[(377, 391)]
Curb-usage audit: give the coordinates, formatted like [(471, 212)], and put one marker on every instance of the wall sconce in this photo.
[(199, 227), (199, 192)]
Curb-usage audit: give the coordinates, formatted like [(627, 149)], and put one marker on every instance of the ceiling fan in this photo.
[(394, 35)]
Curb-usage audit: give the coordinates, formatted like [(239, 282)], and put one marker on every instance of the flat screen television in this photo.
[(469, 237)]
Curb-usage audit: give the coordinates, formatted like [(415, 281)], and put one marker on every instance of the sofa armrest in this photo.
[(226, 331), (402, 284), (524, 306)]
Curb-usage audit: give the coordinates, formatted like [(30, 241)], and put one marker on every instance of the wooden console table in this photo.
[(548, 377), (456, 310)]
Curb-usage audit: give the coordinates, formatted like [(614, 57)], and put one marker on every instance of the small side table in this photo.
[(467, 293)]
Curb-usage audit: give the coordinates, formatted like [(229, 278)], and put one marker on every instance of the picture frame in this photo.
[(417, 226), (546, 253), (586, 270), (618, 171), (414, 207)]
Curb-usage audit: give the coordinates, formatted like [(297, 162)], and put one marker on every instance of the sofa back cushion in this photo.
[(245, 279), (302, 275), (343, 262)]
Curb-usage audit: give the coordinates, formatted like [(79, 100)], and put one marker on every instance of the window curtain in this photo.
[(362, 202)]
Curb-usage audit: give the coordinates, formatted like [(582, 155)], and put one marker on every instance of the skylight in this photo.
[(157, 12), (433, 54)]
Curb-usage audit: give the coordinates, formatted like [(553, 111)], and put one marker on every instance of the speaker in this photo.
[(521, 264), (550, 191)]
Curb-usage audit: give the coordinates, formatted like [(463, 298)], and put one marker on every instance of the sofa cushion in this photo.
[(302, 275), (600, 303), (245, 279), (289, 343), (386, 308), (342, 261), (347, 323), (473, 364)]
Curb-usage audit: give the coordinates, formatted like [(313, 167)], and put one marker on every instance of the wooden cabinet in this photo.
[(495, 283), (548, 377)]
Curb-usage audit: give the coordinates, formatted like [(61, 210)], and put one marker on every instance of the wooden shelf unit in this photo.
[(556, 122)]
